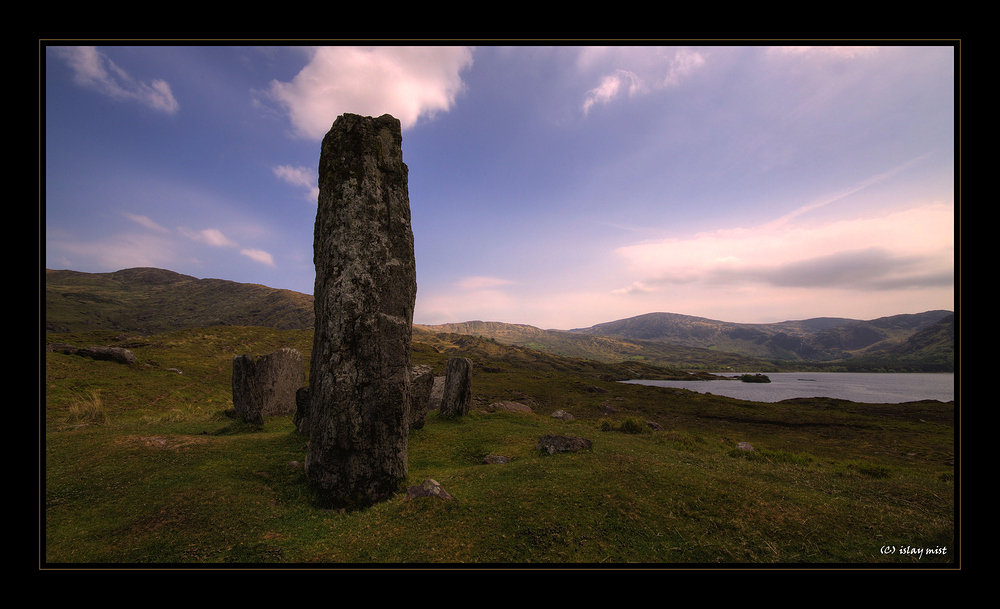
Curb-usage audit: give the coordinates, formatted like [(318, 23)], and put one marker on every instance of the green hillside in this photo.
[(604, 348), (822, 339), (142, 466), (150, 301)]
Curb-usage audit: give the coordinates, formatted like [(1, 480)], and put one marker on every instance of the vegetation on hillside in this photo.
[(142, 467), (155, 301)]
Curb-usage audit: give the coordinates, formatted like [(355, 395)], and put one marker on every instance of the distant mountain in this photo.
[(600, 348), (817, 339), (934, 343), (151, 301)]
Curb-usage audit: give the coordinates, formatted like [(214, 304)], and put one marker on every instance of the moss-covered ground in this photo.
[(139, 465)]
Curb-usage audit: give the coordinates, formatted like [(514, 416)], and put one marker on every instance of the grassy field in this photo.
[(141, 466)]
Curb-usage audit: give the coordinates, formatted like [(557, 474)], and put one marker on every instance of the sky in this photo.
[(556, 186)]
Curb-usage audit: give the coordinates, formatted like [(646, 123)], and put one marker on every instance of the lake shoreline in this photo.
[(861, 387)]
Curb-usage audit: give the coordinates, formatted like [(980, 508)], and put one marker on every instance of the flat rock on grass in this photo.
[(507, 406), (552, 443), (428, 488), (110, 354)]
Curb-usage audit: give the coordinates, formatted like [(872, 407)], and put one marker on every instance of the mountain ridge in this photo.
[(149, 300), (821, 338)]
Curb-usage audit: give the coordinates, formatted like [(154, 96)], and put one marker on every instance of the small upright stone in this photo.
[(245, 397), (421, 383), (457, 396), (366, 285), (266, 387), (279, 375), (437, 392), (301, 416)]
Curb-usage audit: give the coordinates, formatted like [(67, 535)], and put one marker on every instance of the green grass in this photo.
[(161, 476)]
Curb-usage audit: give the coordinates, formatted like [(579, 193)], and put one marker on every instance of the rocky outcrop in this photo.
[(365, 288)]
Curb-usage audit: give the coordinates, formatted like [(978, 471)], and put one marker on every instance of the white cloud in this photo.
[(611, 86), (478, 297), (637, 287), (119, 252), (912, 248), (409, 83), (94, 70), (873, 180), (842, 52), (683, 64), (678, 66), (259, 256), (482, 283), (211, 236), (147, 222), (214, 237), (299, 176)]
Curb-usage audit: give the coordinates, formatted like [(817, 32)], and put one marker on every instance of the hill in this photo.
[(823, 339), (603, 348), (151, 301)]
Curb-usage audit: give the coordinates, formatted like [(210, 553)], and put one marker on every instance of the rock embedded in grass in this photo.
[(495, 460), (428, 488), (553, 443), (109, 354), (508, 406)]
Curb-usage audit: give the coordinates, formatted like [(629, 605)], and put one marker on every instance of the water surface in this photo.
[(868, 387)]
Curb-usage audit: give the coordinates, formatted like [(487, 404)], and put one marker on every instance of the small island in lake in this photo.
[(754, 378)]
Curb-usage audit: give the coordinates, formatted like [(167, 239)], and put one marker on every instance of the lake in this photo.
[(868, 387)]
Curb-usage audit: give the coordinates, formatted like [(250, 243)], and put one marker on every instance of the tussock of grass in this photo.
[(866, 468), (629, 425), (86, 410), (773, 456)]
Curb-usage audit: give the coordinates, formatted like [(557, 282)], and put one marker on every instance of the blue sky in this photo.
[(556, 186)]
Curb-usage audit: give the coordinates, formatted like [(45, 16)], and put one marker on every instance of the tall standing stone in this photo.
[(359, 381)]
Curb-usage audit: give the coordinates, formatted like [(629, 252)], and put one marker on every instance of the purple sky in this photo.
[(554, 186)]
